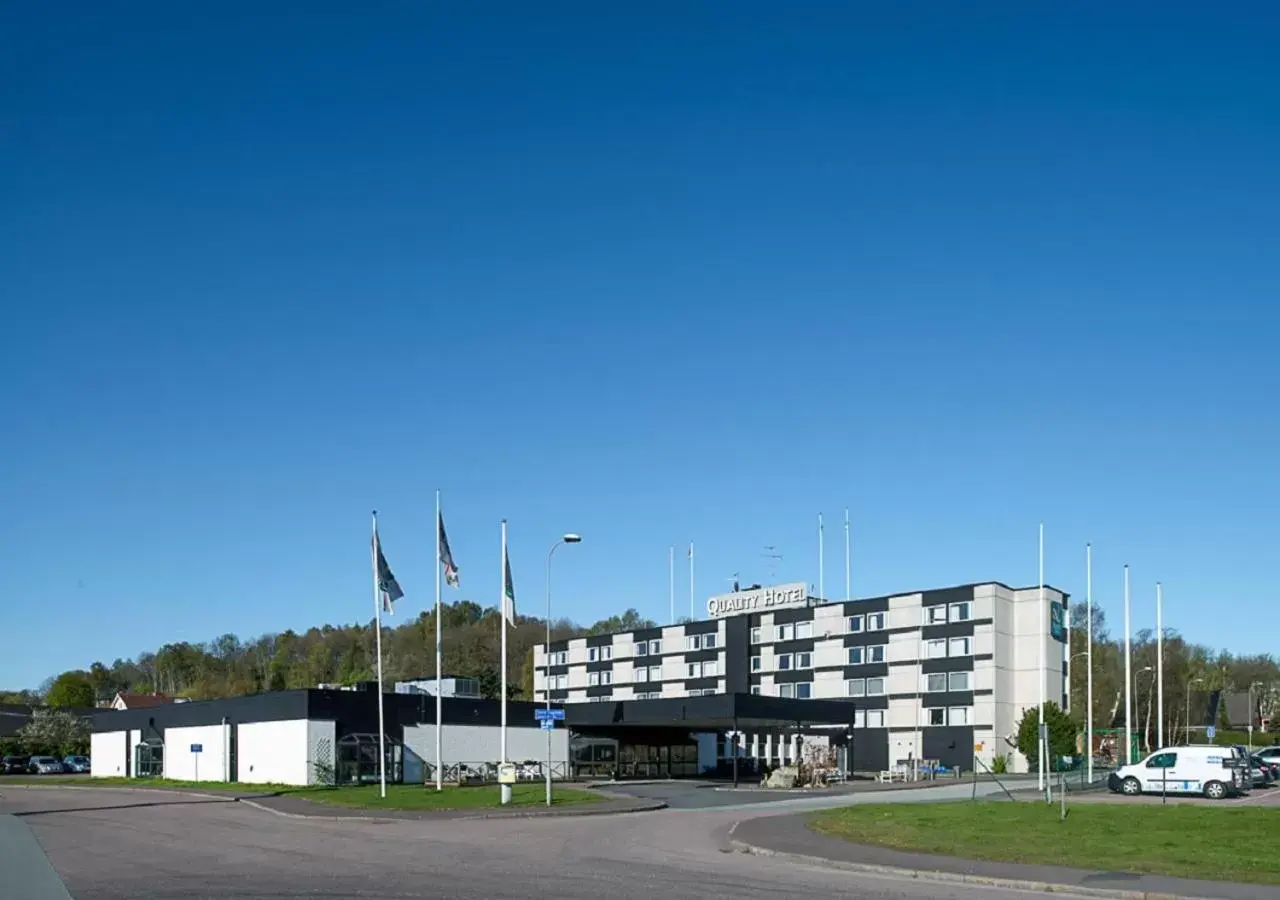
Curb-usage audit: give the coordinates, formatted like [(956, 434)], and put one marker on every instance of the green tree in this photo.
[(72, 689), (1062, 733), (55, 732)]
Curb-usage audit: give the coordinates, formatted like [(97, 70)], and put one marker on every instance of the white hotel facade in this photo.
[(939, 674)]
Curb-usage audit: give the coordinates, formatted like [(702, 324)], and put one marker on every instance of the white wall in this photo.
[(273, 752), (108, 754), (208, 765), (482, 743)]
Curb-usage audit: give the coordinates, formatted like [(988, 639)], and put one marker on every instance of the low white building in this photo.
[(315, 736)]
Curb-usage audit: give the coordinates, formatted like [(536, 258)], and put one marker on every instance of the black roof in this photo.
[(717, 712)]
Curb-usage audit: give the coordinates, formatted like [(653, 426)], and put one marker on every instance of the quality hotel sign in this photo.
[(759, 600)]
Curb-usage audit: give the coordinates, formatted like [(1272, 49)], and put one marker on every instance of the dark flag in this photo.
[(446, 556), (387, 584), (508, 589)]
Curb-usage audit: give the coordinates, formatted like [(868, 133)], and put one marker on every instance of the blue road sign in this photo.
[(542, 715), (197, 748), (548, 724), (1211, 732)]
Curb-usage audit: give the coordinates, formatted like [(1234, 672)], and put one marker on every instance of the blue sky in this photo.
[(655, 273)]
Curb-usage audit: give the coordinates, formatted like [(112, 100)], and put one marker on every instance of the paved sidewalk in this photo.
[(789, 837)]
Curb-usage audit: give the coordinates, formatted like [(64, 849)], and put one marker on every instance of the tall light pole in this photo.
[(1159, 664), (1189, 683), (567, 539), (1088, 614)]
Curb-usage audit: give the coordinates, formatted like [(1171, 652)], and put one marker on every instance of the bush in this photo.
[(1000, 764), (1062, 733)]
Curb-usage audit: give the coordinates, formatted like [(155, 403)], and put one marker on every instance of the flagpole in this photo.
[(1128, 679), (1040, 766), (691, 615), (502, 623), (822, 565), (1159, 665), (1088, 657), (377, 619), (439, 662), (671, 578), (847, 596)]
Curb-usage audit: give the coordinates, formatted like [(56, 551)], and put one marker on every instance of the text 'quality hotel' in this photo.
[(939, 675)]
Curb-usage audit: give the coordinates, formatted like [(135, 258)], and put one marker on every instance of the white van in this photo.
[(1214, 772)]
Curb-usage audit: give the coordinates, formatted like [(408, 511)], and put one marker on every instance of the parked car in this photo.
[(1264, 775), (76, 764), (45, 765), (1215, 772), (1270, 756), (14, 765)]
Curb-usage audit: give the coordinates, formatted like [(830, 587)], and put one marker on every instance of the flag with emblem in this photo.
[(446, 555), (387, 584)]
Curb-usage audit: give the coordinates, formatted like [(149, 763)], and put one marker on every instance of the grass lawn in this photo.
[(416, 796), (88, 781), (1203, 842)]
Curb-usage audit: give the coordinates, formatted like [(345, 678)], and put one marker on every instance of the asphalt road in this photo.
[(132, 845)]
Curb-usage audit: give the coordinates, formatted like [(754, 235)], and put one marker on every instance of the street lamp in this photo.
[(569, 538), (1189, 683)]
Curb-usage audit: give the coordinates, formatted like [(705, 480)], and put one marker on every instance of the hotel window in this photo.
[(701, 670), (961, 612), (804, 660), (593, 654), (560, 658), (641, 674), (706, 692), (708, 642), (784, 632), (606, 652), (855, 687), (601, 654), (655, 648), (804, 630), (958, 715), (962, 646), (784, 662), (787, 690), (804, 690), (642, 648), (755, 635), (710, 668), (960, 681), (859, 718), (875, 621), (856, 655), (854, 624), (875, 687), (875, 718), (756, 664), (935, 615), (559, 682), (755, 689), (593, 679), (935, 649), (693, 642), (604, 699), (648, 695), (606, 678), (875, 654), (935, 682), (935, 716)]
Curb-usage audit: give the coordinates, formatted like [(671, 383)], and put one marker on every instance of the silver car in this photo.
[(45, 765)]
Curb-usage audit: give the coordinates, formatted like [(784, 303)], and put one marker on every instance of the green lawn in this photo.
[(88, 781), (1203, 842), (416, 796)]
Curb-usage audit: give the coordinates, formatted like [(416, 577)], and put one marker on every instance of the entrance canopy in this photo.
[(716, 712)]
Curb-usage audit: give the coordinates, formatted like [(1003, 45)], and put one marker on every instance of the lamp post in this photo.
[(567, 539), (1189, 683)]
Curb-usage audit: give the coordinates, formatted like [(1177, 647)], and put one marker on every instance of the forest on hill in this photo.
[(229, 665)]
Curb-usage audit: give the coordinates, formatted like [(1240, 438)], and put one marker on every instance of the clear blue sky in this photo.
[(683, 271)]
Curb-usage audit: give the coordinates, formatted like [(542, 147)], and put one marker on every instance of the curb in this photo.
[(1043, 887), (567, 813), (171, 792)]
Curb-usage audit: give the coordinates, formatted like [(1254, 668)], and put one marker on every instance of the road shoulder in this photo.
[(787, 836)]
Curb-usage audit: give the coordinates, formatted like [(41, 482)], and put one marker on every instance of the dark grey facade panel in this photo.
[(701, 655), (701, 684), (558, 670), (559, 694), (947, 630), (869, 670), (804, 645), (792, 676), (946, 698), (866, 638), (276, 706), (950, 745), (600, 665), (880, 701), (559, 646), (870, 749), (869, 605), (947, 664), (795, 614), (707, 626), (983, 657), (600, 690), (600, 640), (646, 634), (961, 594), (737, 653)]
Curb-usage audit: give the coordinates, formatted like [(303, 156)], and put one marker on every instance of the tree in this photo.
[(1062, 733), (55, 732), (70, 689)]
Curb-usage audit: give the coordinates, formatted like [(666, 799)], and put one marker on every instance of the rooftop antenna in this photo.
[(775, 560), (733, 579)]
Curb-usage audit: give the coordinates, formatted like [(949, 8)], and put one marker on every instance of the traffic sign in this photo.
[(197, 748), (543, 715), (548, 724), (1211, 732)]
